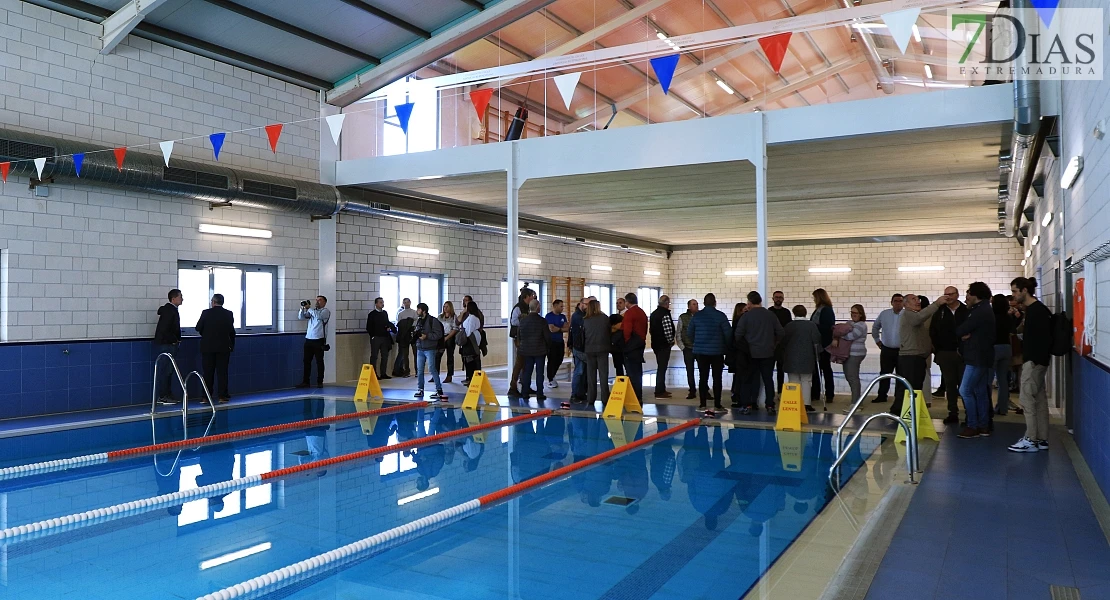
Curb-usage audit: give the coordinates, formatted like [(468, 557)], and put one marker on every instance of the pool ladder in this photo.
[(912, 458), (184, 406)]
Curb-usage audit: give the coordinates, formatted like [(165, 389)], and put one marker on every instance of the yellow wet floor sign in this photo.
[(622, 399), (479, 390), (925, 429), (790, 449), (792, 413), (622, 431), (368, 423), (368, 385), (487, 413)]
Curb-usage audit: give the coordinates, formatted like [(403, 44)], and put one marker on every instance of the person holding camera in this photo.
[(427, 331), (315, 339)]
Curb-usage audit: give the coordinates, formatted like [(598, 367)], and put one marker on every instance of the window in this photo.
[(250, 293), (604, 294), (418, 288), (507, 301), (423, 123), (648, 297), (254, 463)]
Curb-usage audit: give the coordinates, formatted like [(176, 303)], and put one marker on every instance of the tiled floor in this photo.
[(990, 524)]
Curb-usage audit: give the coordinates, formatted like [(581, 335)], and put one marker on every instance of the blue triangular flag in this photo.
[(217, 140), (664, 67), (78, 162), (1046, 9), (404, 113)]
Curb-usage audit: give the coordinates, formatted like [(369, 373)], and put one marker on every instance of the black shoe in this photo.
[(225, 400), (747, 410), (512, 393), (718, 406), (418, 394), (384, 377), (541, 397), (938, 394), (302, 385), (1019, 411), (810, 409), (701, 405), (771, 409), (691, 395), (320, 386), (829, 400), (951, 419), (431, 380), (166, 401), (448, 380), (879, 401), (465, 382)]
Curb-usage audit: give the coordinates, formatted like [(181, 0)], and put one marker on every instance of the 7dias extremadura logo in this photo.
[(1045, 42)]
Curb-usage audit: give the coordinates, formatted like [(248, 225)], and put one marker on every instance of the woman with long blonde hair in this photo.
[(447, 344)]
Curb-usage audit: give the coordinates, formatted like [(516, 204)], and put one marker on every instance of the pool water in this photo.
[(701, 514)]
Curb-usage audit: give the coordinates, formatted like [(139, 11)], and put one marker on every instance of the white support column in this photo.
[(115, 28), (512, 244), (327, 288), (761, 207)]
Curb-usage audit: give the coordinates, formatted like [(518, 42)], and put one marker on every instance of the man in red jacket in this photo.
[(635, 326)]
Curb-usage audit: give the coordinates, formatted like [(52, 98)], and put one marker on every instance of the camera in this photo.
[(305, 303)]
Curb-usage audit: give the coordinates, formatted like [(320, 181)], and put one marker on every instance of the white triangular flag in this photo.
[(901, 24), (167, 150), (40, 163), (566, 84), (335, 123)]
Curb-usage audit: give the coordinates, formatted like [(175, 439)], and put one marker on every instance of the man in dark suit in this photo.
[(217, 340)]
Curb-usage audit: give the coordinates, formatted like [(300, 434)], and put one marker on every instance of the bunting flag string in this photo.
[(120, 154), (900, 23), (217, 140), (273, 132), (5, 168), (335, 125), (774, 46), (167, 150), (480, 99), (78, 162), (1046, 9), (40, 163), (566, 84), (404, 113), (664, 67)]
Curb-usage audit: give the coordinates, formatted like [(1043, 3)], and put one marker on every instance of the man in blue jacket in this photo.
[(710, 331)]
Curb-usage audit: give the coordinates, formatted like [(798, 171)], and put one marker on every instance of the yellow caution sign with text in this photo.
[(622, 399), (368, 385), (479, 390), (622, 431), (790, 449), (475, 416), (792, 413), (368, 423), (925, 429)]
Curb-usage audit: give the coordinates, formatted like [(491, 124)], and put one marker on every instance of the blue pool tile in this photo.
[(56, 402), (80, 354), (141, 350), (57, 378), (80, 376), (141, 372), (33, 356), (100, 396), (904, 585), (10, 357), (11, 382), (100, 375), (56, 355), (121, 395), (100, 353), (80, 399), (33, 380), (32, 403), (10, 406), (121, 374), (121, 352)]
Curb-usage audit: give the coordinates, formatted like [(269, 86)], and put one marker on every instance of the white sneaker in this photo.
[(1042, 445), (1024, 445), (551, 383)]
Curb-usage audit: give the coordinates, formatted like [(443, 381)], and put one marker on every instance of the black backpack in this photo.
[(1062, 334)]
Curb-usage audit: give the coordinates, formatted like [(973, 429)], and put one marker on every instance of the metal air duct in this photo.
[(1027, 117)]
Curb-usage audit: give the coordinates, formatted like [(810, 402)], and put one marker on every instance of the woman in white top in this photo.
[(858, 338), (447, 345)]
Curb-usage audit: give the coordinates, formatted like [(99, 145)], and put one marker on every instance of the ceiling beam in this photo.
[(115, 28), (389, 18), (304, 34), (454, 38), (173, 39), (775, 95)]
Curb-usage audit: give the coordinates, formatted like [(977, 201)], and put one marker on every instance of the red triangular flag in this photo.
[(481, 99), (4, 168), (273, 132), (120, 153), (774, 46)]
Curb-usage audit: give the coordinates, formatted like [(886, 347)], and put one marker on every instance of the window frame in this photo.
[(658, 289), (612, 308), (244, 268), (433, 310), (541, 295)]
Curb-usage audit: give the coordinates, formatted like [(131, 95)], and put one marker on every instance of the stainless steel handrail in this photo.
[(184, 382), (834, 470), (177, 458), (911, 443)]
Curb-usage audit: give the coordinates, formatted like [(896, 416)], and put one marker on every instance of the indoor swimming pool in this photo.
[(700, 511)]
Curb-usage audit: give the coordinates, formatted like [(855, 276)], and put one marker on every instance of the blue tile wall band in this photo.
[(42, 378), (1092, 417)]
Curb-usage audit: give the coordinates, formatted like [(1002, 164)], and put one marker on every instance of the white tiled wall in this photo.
[(874, 277)]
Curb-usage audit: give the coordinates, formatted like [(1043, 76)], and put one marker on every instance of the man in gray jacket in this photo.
[(427, 332), (914, 344), (801, 343), (762, 331)]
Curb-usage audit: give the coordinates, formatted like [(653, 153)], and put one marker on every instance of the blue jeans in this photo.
[(427, 357), (162, 385), (578, 377), (533, 363), (975, 389)]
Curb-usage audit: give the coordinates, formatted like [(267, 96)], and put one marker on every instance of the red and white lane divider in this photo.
[(391, 538), (118, 511), (62, 464)]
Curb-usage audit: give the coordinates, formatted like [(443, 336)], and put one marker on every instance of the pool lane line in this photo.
[(80, 520), (62, 464), (397, 536)]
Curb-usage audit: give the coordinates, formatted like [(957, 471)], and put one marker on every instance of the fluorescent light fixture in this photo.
[(660, 35), (415, 497), (650, 420), (417, 250), (239, 231), (921, 268), (1036, 239), (528, 261), (741, 273), (1071, 172), (1046, 220), (601, 268), (866, 26), (652, 273), (916, 33), (928, 71), (1023, 262), (830, 269), (233, 556), (724, 86), (1028, 253)]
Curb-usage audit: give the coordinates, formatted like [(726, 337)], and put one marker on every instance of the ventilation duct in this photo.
[(1027, 117)]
